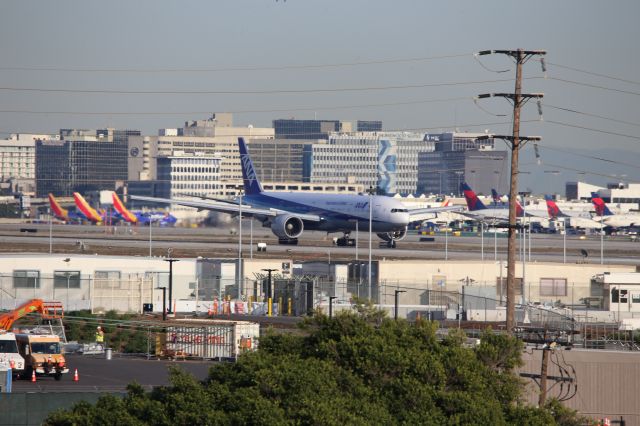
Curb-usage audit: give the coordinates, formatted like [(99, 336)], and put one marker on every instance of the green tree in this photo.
[(356, 368)]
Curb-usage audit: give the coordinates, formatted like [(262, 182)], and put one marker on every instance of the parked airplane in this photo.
[(62, 213), (87, 211), (288, 214), (497, 199), (575, 219), (608, 218), (478, 211), (120, 208)]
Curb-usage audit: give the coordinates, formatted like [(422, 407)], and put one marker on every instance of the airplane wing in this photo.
[(247, 210), (426, 212)]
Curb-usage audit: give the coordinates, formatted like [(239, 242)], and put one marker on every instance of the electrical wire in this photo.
[(593, 73), (595, 86), (591, 115), (249, 92), (575, 126), (236, 68), (607, 160)]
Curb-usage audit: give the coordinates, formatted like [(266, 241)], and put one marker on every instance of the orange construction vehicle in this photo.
[(48, 310)]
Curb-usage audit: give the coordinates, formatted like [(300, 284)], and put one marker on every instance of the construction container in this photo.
[(209, 339)]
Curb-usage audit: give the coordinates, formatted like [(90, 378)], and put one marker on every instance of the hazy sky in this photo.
[(280, 52)]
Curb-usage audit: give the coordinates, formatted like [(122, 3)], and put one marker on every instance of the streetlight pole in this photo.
[(564, 241), (269, 294), (240, 243), (396, 298), (370, 191), (150, 226), (171, 261)]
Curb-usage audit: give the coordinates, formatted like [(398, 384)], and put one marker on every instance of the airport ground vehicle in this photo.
[(48, 310), (9, 354), (42, 353)]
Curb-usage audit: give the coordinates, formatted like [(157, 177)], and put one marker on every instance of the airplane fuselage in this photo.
[(339, 212)]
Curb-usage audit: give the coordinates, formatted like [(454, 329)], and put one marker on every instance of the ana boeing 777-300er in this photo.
[(288, 214)]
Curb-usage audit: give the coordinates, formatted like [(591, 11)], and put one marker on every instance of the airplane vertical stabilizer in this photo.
[(84, 207), (600, 205), (122, 210), (473, 202), (57, 210), (249, 176)]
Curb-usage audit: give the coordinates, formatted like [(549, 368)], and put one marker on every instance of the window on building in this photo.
[(66, 279), (553, 286), (106, 279), (501, 287), (26, 279)]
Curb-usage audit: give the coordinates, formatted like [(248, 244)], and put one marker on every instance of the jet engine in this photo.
[(393, 236), (285, 226)]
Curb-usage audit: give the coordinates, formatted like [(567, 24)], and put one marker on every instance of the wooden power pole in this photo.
[(516, 141)]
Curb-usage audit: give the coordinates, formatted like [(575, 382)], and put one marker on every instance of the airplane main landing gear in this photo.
[(345, 241), (288, 241)]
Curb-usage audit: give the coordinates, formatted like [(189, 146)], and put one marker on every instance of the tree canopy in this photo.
[(355, 369)]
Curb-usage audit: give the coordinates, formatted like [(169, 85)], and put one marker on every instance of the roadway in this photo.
[(223, 242)]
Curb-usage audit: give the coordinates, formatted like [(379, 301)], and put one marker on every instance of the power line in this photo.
[(236, 68), (416, 102), (593, 73), (606, 160), (592, 130), (591, 115), (249, 92), (594, 86)]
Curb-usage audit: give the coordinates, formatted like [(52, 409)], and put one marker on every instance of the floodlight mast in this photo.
[(518, 99)]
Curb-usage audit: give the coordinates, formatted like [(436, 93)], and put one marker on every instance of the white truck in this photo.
[(9, 355)]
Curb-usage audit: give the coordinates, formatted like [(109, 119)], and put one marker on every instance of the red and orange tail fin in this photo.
[(120, 208), (57, 210), (84, 207)]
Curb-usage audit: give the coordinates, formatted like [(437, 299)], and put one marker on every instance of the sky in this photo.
[(148, 65)]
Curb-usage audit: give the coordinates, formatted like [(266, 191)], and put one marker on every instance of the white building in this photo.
[(18, 162), (387, 160)]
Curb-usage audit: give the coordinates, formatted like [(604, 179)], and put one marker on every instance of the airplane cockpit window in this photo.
[(399, 210)]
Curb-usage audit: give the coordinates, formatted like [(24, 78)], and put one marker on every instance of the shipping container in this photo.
[(211, 339)]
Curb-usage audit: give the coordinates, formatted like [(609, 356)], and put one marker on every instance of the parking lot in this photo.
[(97, 374)]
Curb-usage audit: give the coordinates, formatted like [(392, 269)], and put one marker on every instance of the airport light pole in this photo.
[(239, 242), (269, 271), (150, 226), (171, 262), (564, 240), (370, 191)]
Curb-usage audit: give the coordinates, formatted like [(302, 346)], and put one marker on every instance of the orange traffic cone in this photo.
[(75, 376), (33, 376)]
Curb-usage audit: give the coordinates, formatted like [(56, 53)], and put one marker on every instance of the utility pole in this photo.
[(518, 98)]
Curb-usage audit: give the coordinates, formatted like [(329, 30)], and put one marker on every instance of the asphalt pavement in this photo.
[(97, 374)]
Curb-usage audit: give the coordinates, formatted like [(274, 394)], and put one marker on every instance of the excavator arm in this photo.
[(48, 310)]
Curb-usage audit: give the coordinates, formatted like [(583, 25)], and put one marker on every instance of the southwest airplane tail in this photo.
[(250, 178), (473, 202), (600, 205), (57, 210), (86, 210), (122, 210)]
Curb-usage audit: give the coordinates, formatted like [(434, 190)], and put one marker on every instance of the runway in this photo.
[(223, 242)]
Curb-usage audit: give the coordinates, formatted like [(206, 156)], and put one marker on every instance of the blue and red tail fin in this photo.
[(473, 202), (552, 208), (600, 205), (249, 176)]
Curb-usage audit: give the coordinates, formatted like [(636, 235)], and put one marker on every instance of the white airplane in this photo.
[(288, 214), (608, 218), (478, 211), (575, 219)]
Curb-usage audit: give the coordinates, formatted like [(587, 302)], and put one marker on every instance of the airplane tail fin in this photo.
[(57, 210), (249, 176), (600, 205), (552, 208), (495, 196), (124, 212), (84, 207), (473, 202)]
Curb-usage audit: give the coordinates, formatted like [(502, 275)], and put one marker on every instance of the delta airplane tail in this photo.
[(473, 202), (84, 207), (122, 210), (57, 210), (249, 176), (496, 198), (600, 205), (552, 208)]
